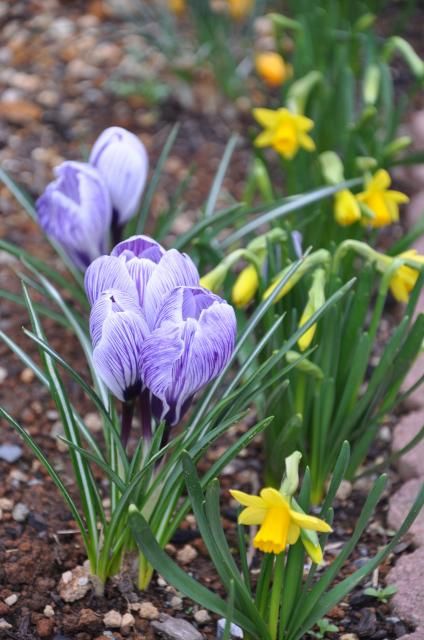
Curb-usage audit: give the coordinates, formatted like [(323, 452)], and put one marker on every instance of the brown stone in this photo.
[(399, 506), (20, 111), (411, 464), (418, 634), (45, 627), (406, 575)]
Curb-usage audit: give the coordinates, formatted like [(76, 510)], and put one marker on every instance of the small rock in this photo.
[(45, 627), (127, 622), (20, 512), (176, 629), (74, 584), (344, 490), (202, 616), (418, 634), (10, 452), (3, 374), (112, 619), (11, 600), (48, 611), (406, 575), (146, 610), (176, 603), (349, 636), (6, 504), (93, 422), (4, 625), (186, 555), (27, 375), (88, 618)]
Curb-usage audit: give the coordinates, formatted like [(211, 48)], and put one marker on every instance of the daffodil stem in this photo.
[(277, 585)]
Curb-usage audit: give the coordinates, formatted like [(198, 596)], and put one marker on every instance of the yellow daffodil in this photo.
[(285, 131), (381, 201), (177, 6), (316, 299), (245, 286), (346, 208), (404, 279), (272, 68), (280, 523), (239, 9)]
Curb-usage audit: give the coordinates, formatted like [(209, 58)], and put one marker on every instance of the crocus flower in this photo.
[(192, 341), (117, 329), (246, 286), (281, 524), (285, 132), (381, 201), (143, 269), (75, 210), (272, 68), (346, 208), (404, 279), (122, 160)]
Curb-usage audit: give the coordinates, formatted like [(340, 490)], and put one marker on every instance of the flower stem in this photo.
[(145, 415), (116, 228), (126, 422), (274, 609)]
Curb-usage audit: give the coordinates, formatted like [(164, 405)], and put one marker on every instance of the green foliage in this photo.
[(382, 594)]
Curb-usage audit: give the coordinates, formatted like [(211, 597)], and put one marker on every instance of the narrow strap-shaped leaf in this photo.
[(219, 176)]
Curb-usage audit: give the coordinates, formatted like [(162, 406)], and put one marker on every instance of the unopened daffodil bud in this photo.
[(290, 481), (239, 9), (396, 43), (316, 299), (399, 144), (366, 163), (315, 259), (215, 278), (331, 167), (300, 90), (272, 68), (364, 22), (346, 208), (405, 278), (245, 286), (304, 365), (371, 85)]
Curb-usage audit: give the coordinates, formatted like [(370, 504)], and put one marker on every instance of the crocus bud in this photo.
[(346, 208), (246, 286), (117, 329), (193, 340), (122, 160), (75, 210), (272, 68), (316, 299)]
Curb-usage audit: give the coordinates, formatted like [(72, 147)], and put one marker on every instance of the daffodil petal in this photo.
[(264, 139), (380, 181), (397, 196), (293, 533), (266, 117), (247, 500), (309, 522), (252, 515), (315, 552), (273, 498), (306, 142)]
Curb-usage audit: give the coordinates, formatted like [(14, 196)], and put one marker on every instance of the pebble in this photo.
[(48, 98), (344, 490), (27, 375), (349, 636), (11, 600), (235, 632), (127, 622), (10, 452), (4, 625), (112, 619), (186, 555), (20, 512), (93, 422), (176, 603), (48, 611), (3, 374), (74, 584), (176, 629), (146, 610), (6, 504), (45, 627), (202, 616)]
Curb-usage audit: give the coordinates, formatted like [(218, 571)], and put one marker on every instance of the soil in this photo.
[(35, 553)]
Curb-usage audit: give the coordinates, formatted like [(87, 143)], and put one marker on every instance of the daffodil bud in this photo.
[(239, 9), (299, 91), (331, 167), (177, 7), (272, 68), (317, 258), (371, 85), (215, 278), (245, 286), (347, 210), (396, 43), (399, 144), (291, 477), (279, 20), (366, 163), (316, 299), (304, 365), (364, 22)]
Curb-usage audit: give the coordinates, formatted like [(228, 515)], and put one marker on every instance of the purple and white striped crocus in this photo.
[(191, 343), (185, 340), (76, 211), (122, 160)]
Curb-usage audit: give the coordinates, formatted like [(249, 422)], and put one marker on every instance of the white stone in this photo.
[(202, 616), (112, 619), (48, 611), (11, 600)]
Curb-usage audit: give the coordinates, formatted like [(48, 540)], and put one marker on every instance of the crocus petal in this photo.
[(75, 210), (108, 272), (116, 356), (110, 302), (251, 516), (139, 247), (309, 522), (174, 270), (123, 162)]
